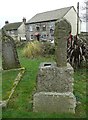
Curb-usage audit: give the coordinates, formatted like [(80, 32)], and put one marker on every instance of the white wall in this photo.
[(71, 16), (21, 30)]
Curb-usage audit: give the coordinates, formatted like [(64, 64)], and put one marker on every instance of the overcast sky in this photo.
[(15, 10)]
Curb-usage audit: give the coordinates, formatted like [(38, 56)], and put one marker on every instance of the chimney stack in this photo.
[(24, 19), (6, 22)]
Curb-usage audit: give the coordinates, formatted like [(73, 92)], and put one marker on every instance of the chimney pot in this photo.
[(24, 19), (6, 22)]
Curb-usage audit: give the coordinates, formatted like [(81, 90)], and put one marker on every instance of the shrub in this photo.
[(32, 49), (48, 48)]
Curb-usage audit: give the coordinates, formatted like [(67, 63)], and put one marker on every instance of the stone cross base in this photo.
[(55, 79), (52, 102), (54, 92)]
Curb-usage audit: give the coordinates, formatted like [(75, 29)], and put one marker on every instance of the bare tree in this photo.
[(84, 11)]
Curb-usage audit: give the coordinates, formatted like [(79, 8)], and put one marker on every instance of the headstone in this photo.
[(9, 53), (54, 91)]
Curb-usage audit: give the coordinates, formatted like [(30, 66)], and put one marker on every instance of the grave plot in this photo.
[(20, 104), (54, 92), (11, 68), (10, 80)]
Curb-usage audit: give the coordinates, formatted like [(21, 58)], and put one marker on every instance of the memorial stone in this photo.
[(9, 53), (54, 91)]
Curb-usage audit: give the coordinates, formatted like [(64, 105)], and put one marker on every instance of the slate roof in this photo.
[(12, 26), (50, 15)]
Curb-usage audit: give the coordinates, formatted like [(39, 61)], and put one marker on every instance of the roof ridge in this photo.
[(54, 10), (11, 26), (13, 23), (49, 15)]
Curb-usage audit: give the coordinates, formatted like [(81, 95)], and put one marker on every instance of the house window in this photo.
[(44, 28), (8, 32), (30, 28), (52, 35), (51, 30), (12, 31), (31, 37), (51, 25), (44, 36), (37, 28)]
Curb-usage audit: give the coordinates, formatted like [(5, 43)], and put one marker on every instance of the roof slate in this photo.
[(12, 26), (50, 15)]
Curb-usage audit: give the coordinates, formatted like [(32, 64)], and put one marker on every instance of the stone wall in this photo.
[(49, 25)]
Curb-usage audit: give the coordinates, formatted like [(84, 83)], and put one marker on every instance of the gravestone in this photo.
[(9, 53), (54, 91)]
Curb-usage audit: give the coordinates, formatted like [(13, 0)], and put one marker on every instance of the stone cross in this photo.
[(62, 29), (54, 91)]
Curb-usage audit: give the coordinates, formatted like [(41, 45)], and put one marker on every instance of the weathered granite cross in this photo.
[(54, 91), (62, 29)]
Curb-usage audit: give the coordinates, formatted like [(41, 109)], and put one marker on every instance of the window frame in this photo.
[(44, 28)]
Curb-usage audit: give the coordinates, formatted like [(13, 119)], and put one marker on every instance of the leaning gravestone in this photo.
[(9, 53), (54, 92)]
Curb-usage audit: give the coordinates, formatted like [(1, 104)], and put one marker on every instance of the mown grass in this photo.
[(80, 82), (20, 105), (0, 86), (8, 78)]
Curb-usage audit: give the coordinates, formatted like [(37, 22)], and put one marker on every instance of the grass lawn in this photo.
[(8, 78), (0, 60), (0, 76), (0, 86), (20, 105)]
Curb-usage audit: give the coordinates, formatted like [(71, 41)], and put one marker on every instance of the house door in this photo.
[(37, 36)]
